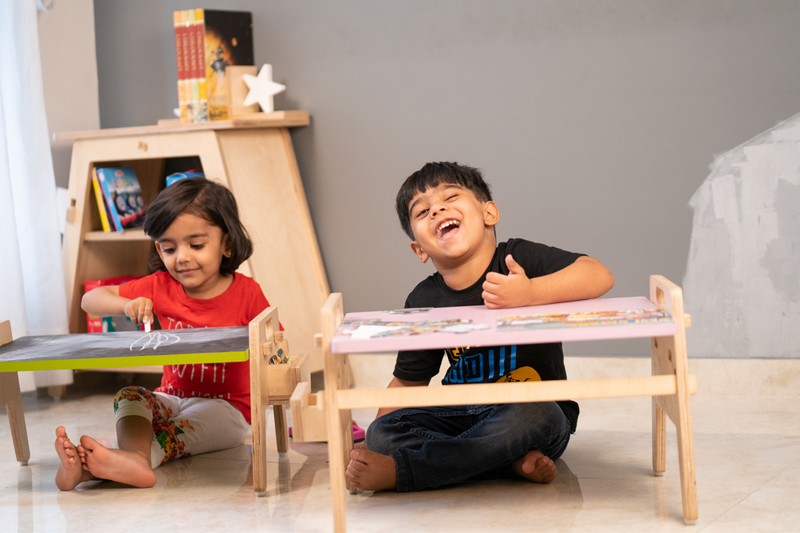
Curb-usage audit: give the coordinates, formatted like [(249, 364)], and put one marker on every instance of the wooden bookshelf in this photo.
[(252, 156)]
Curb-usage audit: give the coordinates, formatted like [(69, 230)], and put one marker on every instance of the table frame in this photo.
[(283, 379), (669, 384)]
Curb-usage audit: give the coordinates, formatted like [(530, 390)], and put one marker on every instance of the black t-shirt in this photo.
[(486, 364)]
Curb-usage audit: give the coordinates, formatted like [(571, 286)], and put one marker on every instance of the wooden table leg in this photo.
[(11, 397)]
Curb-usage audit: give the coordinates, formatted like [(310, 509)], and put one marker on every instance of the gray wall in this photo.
[(594, 122)]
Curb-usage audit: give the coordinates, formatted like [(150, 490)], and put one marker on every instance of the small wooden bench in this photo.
[(669, 384), (271, 384)]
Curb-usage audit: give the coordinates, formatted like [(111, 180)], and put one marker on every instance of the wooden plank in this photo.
[(340, 434), (276, 119), (286, 261), (486, 393), (673, 355), (11, 397), (261, 329)]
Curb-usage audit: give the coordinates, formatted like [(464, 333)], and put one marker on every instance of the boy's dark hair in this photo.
[(204, 199), (432, 175)]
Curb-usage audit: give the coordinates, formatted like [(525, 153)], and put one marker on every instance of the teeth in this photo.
[(447, 224)]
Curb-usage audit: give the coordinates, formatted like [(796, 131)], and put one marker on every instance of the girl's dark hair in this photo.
[(432, 175), (204, 199)]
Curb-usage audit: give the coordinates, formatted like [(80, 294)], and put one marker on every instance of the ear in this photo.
[(419, 251), (491, 214), (160, 253), (227, 249)]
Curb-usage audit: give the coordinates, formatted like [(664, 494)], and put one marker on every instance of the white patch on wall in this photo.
[(742, 284)]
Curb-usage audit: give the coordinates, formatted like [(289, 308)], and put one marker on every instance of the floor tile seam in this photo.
[(749, 495)]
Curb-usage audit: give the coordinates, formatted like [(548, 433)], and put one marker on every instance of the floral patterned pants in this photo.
[(183, 426)]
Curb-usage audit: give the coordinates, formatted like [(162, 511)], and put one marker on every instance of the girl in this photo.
[(200, 243)]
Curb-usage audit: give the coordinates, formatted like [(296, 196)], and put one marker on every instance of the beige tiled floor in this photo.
[(747, 449)]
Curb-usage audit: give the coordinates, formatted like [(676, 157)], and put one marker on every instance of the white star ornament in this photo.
[(262, 89)]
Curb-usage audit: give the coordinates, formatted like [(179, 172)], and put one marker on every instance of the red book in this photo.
[(179, 53), (200, 36)]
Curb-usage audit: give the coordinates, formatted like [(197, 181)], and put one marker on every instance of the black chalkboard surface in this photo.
[(125, 348)]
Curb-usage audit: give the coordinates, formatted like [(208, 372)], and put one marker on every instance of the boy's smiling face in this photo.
[(451, 226)]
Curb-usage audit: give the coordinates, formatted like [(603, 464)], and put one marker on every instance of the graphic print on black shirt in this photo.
[(487, 364)]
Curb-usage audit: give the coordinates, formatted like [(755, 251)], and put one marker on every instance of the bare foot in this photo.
[(122, 466), (371, 471), (70, 472), (535, 466)]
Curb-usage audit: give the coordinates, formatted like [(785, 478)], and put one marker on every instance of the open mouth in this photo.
[(446, 227)]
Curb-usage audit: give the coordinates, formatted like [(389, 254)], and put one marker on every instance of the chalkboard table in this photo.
[(269, 384), (661, 318)]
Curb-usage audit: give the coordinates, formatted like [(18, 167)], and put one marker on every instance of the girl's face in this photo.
[(192, 250)]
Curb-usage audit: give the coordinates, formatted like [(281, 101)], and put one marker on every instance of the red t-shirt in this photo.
[(237, 306)]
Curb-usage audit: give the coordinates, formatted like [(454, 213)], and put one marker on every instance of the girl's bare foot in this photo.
[(535, 466), (122, 466), (70, 472), (371, 471)]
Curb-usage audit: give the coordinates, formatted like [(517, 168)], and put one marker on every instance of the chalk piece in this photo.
[(146, 325)]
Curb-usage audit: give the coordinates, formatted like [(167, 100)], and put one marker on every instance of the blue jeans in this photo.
[(437, 446)]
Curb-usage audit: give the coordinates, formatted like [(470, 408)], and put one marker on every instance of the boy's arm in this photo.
[(584, 279), (106, 301), (397, 382)]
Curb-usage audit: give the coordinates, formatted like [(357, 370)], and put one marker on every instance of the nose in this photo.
[(436, 209)]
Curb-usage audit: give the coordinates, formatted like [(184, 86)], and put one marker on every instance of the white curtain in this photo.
[(32, 294)]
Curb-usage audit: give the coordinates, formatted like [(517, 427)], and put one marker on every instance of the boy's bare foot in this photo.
[(535, 466), (122, 466), (371, 471), (70, 471)]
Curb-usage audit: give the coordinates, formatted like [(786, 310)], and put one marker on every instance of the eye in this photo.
[(167, 250), (451, 197), (422, 212), (197, 246)]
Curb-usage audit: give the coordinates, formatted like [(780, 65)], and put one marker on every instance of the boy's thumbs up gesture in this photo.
[(514, 290)]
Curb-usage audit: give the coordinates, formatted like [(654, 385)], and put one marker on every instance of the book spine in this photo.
[(200, 35), (109, 199), (194, 73), (187, 67), (101, 205), (176, 18)]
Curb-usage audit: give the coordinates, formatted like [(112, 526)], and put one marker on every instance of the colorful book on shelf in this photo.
[(123, 196), (101, 203), (221, 38), (179, 53), (99, 324)]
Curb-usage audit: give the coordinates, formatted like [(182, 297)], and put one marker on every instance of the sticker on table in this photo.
[(569, 320), (375, 328)]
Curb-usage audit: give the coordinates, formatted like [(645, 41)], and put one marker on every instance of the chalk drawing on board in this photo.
[(741, 284), (154, 340)]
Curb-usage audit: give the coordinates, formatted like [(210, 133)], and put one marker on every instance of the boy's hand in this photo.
[(140, 309), (501, 291)]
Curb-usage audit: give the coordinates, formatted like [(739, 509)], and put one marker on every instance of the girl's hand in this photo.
[(140, 310)]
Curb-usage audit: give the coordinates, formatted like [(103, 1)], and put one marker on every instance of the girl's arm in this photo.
[(584, 279), (106, 301)]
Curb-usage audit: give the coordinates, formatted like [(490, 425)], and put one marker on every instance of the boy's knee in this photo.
[(378, 437)]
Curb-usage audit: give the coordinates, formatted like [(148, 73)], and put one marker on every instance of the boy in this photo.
[(448, 212)]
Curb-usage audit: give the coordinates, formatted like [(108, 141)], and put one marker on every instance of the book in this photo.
[(179, 53), (199, 35), (101, 203), (187, 65), (99, 324), (222, 38), (123, 196)]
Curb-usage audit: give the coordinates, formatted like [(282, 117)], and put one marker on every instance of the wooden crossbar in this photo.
[(538, 391)]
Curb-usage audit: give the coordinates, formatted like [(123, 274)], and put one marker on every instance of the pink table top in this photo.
[(353, 337)]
